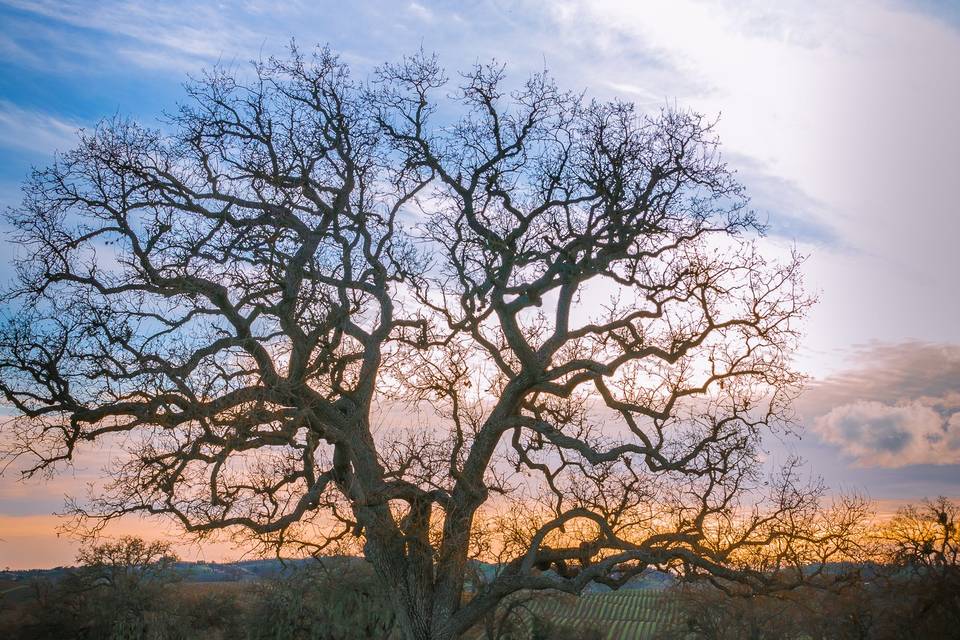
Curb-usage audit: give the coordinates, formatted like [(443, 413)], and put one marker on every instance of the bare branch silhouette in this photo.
[(402, 310)]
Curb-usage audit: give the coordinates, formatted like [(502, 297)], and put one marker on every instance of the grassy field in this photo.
[(11, 591), (623, 615), (645, 614)]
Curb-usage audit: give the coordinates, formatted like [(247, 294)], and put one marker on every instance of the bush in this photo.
[(333, 600)]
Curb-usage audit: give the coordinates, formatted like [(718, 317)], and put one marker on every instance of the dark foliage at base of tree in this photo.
[(913, 591), (883, 608), (329, 601), (336, 600)]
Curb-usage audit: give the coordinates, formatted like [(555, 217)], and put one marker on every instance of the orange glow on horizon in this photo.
[(33, 542)]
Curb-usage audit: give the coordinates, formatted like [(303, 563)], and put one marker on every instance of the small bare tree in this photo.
[(318, 309), (123, 565), (923, 546), (926, 537), (118, 591)]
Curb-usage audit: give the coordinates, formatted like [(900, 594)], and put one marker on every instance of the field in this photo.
[(11, 591), (635, 614)]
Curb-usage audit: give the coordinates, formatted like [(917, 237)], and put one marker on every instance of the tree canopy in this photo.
[(445, 319)]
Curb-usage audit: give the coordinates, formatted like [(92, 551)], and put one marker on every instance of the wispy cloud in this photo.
[(421, 12), (35, 131), (788, 211), (169, 25)]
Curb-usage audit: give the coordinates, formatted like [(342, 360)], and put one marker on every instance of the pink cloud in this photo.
[(878, 434)]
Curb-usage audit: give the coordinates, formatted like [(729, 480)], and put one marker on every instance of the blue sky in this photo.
[(841, 119)]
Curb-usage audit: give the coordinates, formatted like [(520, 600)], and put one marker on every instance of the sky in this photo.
[(840, 118)]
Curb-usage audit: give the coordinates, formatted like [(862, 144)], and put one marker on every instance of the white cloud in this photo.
[(175, 36), (421, 12), (35, 131), (899, 406), (883, 435)]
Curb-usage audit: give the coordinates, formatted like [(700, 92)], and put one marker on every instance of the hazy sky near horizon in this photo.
[(841, 119)]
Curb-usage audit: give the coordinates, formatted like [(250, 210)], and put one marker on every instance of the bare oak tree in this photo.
[(399, 311)]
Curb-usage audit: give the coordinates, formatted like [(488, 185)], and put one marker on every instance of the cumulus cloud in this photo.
[(878, 434), (900, 406)]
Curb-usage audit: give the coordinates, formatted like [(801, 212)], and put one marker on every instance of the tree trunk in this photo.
[(406, 567), (451, 568), (413, 600)]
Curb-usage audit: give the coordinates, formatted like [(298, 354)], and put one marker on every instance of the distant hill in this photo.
[(249, 570), (240, 571)]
